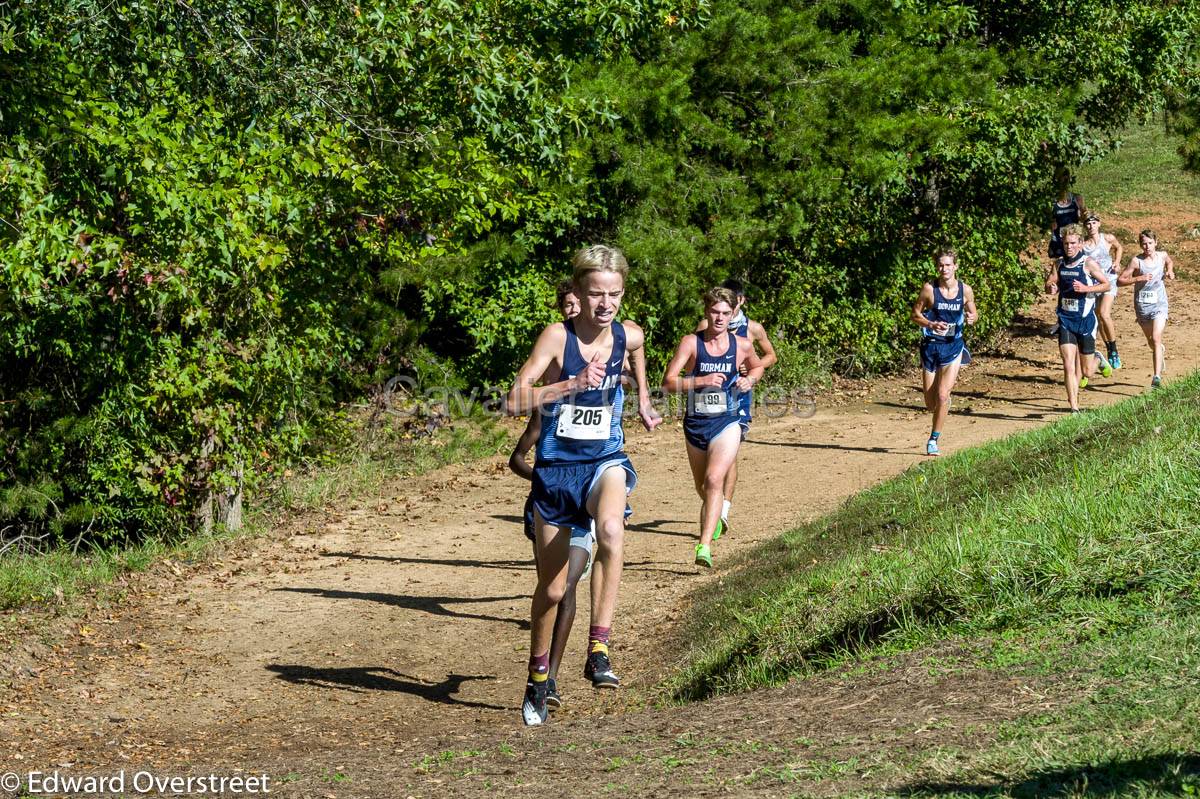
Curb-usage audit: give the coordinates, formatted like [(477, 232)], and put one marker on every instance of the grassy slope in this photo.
[(1144, 167), (1074, 548)]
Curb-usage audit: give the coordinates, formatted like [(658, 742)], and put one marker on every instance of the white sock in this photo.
[(725, 504)]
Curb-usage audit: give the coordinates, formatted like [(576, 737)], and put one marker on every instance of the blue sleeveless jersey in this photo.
[(586, 425), (1076, 311), (710, 410), (948, 310)]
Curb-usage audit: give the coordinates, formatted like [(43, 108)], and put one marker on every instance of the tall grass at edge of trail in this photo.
[(1009, 534)]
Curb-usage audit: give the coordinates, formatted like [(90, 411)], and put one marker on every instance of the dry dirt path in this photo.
[(376, 634)]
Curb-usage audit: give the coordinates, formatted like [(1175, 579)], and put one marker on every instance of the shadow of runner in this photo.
[(378, 678), (816, 445), (493, 564), (434, 605), (1168, 773)]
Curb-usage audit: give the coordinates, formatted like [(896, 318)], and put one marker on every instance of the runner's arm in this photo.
[(683, 359), (525, 397), (969, 301), (1127, 276), (635, 345), (1114, 242), (754, 367), (758, 335), (1100, 286), (529, 438), (1168, 267), (924, 302)]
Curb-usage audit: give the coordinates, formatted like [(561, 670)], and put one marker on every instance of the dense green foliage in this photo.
[(217, 220), (1019, 534)]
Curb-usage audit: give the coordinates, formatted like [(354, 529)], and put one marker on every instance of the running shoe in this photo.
[(1106, 370), (553, 700), (931, 447), (598, 669), (1156, 382), (720, 529), (534, 710), (703, 556), (1115, 360), (1083, 382)]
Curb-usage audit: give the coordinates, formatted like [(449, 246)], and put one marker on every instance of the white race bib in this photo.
[(950, 330), (710, 403), (584, 422), (1148, 296), (1070, 304)]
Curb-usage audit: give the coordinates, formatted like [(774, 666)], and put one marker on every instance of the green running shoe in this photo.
[(1083, 382), (720, 529), (703, 556)]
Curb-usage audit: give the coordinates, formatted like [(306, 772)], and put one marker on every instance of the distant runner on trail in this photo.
[(581, 471), (712, 426), (744, 327), (943, 307), (1068, 209), (1077, 280), (1099, 247), (1146, 273)]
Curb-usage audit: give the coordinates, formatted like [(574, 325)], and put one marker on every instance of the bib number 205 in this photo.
[(584, 422)]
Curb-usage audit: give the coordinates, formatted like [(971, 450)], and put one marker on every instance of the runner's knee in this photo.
[(609, 533)]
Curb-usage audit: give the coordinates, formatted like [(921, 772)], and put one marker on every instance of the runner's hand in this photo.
[(972, 317), (1079, 286), (591, 377), (939, 328), (744, 384), (710, 380), (650, 417)]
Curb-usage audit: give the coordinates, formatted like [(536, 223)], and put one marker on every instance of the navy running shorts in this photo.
[(561, 490), (936, 355), (700, 431), (1085, 342)]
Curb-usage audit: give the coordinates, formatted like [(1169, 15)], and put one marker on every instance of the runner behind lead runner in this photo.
[(568, 305), (1100, 247), (941, 310), (712, 428), (1078, 280), (744, 327), (581, 471)]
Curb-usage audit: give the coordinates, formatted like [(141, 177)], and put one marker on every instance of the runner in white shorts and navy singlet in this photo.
[(1078, 280), (1147, 273), (712, 427), (581, 471), (944, 306)]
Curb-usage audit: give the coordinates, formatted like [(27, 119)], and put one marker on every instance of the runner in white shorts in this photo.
[(1147, 273)]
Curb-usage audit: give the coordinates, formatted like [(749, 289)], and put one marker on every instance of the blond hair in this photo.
[(598, 258), (1072, 229), (719, 294)]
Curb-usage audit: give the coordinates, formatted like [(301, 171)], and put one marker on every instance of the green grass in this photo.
[(1068, 555), (1143, 167), (358, 466), (1020, 534)]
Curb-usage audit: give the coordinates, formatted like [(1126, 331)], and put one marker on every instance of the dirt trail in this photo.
[(393, 628)]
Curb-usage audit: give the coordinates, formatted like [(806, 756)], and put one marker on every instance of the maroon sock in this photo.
[(539, 667), (598, 638)]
